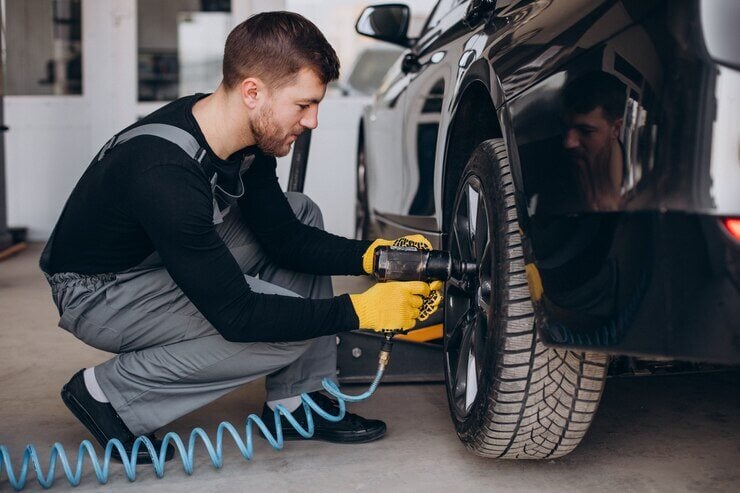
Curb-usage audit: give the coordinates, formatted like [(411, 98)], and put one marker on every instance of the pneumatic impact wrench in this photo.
[(406, 263)]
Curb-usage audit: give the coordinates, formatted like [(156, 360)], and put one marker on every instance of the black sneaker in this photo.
[(351, 429), (104, 422)]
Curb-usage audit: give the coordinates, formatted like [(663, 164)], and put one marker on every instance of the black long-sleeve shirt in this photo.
[(147, 195)]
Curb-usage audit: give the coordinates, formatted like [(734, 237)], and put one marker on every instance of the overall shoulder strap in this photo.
[(181, 138)]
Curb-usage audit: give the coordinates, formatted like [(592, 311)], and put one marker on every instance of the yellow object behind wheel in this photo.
[(423, 335)]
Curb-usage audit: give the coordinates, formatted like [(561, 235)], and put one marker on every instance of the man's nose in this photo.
[(570, 141), (311, 118)]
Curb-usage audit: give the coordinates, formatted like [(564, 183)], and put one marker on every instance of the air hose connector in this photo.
[(384, 356)]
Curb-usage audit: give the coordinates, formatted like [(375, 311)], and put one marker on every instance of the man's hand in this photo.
[(417, 241), (431, 303), (391, 305)]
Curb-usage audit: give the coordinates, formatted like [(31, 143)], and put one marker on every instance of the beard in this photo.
[(268, 136), (600, 189), (594, 162)]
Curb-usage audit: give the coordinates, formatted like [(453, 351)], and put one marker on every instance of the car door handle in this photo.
[(477, 10)]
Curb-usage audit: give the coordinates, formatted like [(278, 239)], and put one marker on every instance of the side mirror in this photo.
[(389, 22)]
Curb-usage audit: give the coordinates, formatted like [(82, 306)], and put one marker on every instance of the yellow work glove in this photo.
[(431, 303), (390, 305), (417, 241)]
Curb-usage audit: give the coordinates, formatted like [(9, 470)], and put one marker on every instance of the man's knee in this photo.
[(263, 358), (305, 209)]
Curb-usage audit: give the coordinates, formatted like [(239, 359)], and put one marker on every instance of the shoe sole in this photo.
[(84, 417), (291, 434)]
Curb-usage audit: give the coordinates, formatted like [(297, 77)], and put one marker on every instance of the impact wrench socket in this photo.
[(402, 263)]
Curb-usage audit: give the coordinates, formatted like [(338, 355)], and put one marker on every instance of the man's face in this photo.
[(589, 137), (287, 112)]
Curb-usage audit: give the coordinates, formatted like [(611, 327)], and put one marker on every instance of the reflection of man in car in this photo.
[(579, 273), (594, 104)]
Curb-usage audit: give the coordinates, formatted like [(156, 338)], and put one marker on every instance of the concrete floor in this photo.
[(670, 433)]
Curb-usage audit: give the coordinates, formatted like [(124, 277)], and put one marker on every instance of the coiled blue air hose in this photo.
[(186, 454)]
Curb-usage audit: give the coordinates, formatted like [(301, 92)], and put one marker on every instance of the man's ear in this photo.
[(252, 92)]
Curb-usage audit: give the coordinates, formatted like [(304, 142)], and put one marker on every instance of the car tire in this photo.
[(509, 395)]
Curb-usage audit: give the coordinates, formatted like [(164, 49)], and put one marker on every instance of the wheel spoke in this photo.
[(455, 336), (454, 339), (482, 298), (483, 295), (461, 228), (462, 242), (457, 346), (485, 260), (473, 199), (471, 379), (479, 341), (456, 284), (463, 359), (481, 238)]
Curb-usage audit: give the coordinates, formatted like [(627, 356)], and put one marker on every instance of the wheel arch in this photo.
[(474, 121)]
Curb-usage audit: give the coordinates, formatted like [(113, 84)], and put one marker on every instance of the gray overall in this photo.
[(170, 359)]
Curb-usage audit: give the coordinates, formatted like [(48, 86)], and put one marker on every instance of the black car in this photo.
[(584, 154)]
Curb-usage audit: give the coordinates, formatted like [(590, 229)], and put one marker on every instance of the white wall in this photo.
[(53, 138), (47, 148)]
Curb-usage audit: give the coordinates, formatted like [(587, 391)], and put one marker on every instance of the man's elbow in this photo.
[(231, 334), (232, 337), (240, 336)]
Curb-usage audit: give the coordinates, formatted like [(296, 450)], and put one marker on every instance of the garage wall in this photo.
[(42, 162), (52, 138)]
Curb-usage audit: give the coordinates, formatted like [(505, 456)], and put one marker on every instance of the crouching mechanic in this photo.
[(178, 251)]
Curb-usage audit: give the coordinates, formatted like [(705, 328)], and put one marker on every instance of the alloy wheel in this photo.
[(468, 306)]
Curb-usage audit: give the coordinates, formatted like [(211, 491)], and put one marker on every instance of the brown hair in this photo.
[(587, 92), (275, 46)]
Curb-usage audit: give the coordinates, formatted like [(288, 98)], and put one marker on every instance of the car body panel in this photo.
[(625, 246)]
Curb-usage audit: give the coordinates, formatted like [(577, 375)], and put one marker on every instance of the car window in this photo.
[(370, 69)]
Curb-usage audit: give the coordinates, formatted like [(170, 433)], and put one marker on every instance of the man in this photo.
[(578, 268), (155, 254), (594, 104)]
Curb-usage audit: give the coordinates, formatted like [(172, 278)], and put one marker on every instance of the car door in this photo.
[(403, 129)]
